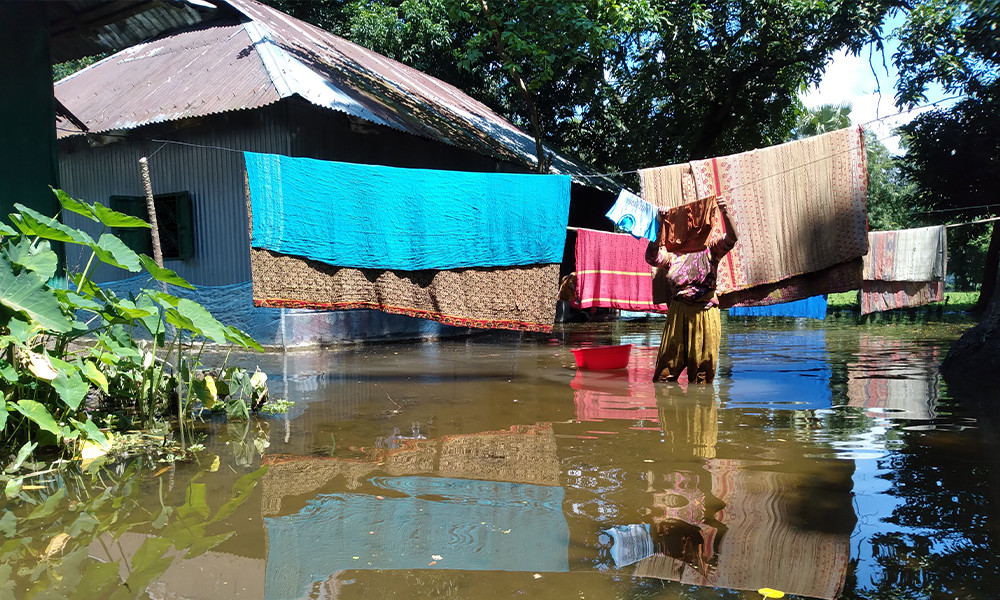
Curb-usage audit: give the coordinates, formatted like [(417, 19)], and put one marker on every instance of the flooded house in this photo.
[(255, 79)]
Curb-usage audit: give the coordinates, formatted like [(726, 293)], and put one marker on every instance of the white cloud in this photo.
[(850, 79)]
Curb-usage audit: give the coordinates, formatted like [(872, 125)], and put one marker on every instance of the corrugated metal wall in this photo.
[(213, 177)]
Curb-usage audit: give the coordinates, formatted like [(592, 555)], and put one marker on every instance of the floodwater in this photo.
[(827, 461)]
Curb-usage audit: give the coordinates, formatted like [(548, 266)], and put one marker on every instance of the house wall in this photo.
[(213, 177), (94, 170)]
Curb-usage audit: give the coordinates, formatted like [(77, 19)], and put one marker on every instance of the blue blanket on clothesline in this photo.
[(809, 308), (377, 217)]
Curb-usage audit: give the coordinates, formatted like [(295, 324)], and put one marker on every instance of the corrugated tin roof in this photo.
[(212, 68), (86, 27), (270, 55)]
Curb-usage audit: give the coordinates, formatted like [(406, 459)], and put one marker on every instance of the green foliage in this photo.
[(952, 43), (953, 154), (50, 536), (618, 83), (66, 353), (891, 202), (822, 119)]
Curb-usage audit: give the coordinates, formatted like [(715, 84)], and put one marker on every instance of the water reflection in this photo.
[(892, 378), (418, 523), (446, 469)]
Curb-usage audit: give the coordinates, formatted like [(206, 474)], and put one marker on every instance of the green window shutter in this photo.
[(136, 238), (174, 220)]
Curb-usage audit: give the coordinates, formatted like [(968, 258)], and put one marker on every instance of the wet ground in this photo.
[(827, 461)]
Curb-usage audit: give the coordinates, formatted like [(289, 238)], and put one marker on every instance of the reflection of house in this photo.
[(256, 79), (894, 379), (521, 454), (487, 501)]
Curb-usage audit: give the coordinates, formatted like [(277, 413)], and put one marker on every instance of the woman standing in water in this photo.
[(693, 331)]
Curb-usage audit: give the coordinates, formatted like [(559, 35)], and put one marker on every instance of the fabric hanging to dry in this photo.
[(518, 297), (800, 208), (611, 272), (904, 268)]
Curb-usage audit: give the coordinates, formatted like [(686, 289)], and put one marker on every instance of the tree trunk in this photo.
[(986, 291), (973, 362)]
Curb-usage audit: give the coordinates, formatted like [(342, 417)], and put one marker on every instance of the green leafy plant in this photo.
[(70, 353), (49, 541)]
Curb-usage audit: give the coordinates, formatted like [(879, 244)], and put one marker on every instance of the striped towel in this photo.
[(611, 272)]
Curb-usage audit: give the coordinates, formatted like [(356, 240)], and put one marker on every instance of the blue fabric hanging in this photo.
[(809, 308), (378, 217)]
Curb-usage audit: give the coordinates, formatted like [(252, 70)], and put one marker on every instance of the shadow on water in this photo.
[(827, 461)]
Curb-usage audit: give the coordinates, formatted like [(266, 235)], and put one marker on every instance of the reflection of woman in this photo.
[(693, 331)]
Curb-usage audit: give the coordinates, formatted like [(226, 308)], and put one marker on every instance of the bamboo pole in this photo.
[(151, 211)]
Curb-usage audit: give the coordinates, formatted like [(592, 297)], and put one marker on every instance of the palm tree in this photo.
[(823, 118)]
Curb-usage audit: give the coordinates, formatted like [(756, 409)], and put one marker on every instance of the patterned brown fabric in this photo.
[(520, 298)]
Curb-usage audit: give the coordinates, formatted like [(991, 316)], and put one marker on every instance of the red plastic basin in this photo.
[(602, 358)]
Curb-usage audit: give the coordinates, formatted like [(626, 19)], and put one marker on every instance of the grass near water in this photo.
[(953, 301)]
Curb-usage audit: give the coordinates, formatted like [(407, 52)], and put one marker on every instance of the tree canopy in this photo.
[(619, 84)]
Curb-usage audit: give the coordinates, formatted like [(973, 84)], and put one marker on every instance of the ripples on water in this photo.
[(827, 461)]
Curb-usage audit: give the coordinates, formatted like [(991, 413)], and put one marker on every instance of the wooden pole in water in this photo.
[(158, 257), (151, 211)]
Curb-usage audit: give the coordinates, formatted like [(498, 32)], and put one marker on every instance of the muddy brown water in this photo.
[(828, 460)]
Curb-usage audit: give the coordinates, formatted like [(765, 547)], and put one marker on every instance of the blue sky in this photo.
[(851, 79)]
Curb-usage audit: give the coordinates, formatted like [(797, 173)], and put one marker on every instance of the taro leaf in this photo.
[(95, 376), (76, 301), (8, 372), (80, 208), (163, 274), (205, 543), (84, 523), (22, 455), (196, 502), (241, 490), (201, 321), (163, 517), (165, 300), (71, 387), (148, 563), (22, 331), (203, 392), (33, 222), (13, 487), (113, 218), (5, 230), (153, 323), (128, 310), (35, 411), (46, 508), (3, 415), (99, 579), (27, 292), (92, 431), (241, 338), (112, 250), (8, 523), (41, 260)]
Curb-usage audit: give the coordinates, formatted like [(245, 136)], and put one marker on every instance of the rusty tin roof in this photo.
[(265, 55)]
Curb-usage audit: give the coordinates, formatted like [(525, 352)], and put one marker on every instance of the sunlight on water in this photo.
[(827, 461)]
